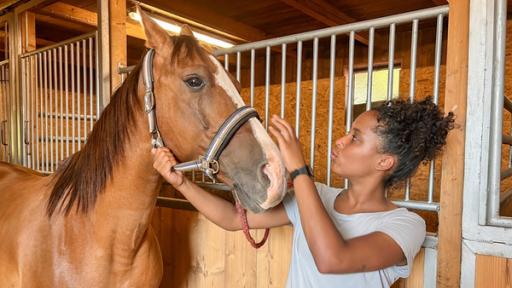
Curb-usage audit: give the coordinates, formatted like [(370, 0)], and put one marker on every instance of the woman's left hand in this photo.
[(288, 143)]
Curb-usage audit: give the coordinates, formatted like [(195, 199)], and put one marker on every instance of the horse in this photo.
[(88, 224)]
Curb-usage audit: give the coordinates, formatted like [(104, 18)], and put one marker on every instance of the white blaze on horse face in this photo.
[(275, 169)]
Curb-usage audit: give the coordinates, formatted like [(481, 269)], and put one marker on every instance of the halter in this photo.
[(209, 163)]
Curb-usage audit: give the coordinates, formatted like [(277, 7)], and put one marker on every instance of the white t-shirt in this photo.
[(406, 228)]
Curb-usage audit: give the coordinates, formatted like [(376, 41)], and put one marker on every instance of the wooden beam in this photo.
[(83, 16), (204, 18), (28, 31), (440, 2), (326, 13), (118, 44), (452, 178)]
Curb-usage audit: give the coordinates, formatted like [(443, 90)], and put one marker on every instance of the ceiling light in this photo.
[(175, 29)]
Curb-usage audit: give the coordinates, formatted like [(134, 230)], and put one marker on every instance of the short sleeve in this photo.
[(290, 205), (409, 231)]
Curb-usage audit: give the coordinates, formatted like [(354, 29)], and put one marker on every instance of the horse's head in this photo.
[(193, 96)]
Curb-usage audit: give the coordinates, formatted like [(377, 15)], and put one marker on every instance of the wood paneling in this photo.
[(493, 272)]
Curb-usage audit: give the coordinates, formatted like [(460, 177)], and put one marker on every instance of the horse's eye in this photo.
[(195, 82)]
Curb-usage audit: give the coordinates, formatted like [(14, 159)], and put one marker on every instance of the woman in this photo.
[(351, 237)]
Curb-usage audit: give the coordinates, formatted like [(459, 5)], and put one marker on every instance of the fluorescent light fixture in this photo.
[(176, 30)]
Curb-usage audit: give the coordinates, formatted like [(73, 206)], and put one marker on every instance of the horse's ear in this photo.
[(186, 31), (156, 36)]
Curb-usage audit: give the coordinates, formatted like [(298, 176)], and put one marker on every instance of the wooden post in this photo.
[(450, 216), (28, 31), (118, 44)]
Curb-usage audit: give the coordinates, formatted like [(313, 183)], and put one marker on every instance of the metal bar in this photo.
[(69, 116), (332, 75), (45, 71), (66, 84), (23, 82), (33, 105), (84, 96), (369, 83), (72, 53), (298, 89), (91, 81), (59, 138), (238, 60), (267, 85), (414, 45), (350, 99), (253, 56), (313, 103), (62, 43), (78, 92), (283, 78), (411, 204), (226, 62), (61, 99), (437, 65), (39, 123), (343, 29), (55, 145), (391, 60), (99, 97)]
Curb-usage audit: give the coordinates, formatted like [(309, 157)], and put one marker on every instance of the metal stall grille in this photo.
[(277, 52), (59, 85), (4, 104)]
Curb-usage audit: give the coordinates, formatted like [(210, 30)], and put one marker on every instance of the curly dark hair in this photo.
[(414, 132)]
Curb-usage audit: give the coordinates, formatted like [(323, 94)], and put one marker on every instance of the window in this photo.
[(379, 85)]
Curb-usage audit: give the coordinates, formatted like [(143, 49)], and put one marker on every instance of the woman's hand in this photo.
[(163, 162), (288, 143)]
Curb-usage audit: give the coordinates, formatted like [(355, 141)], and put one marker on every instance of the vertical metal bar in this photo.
[(238, 60), (78, 96), (391, 60), (66, 86), (23, 82), (91, 80), (253, 56), (414, 42), (370, 70), (33, 115), (50, 113), (412, 86), (498, 80), (332, 75), (267, 85), (313, 103), (98, 79), (350, 99), (39, 123), (84, 61), (283, 78), (61, 109), (226, 62), (55, 109), (72, 115), (46, 136), (298, 92), (437, 65)]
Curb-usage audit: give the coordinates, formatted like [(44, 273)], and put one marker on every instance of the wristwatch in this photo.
[(306, 170)]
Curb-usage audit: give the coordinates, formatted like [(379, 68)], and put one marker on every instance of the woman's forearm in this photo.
[(216, 209)]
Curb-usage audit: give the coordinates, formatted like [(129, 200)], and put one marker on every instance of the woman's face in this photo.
[(356, 154)]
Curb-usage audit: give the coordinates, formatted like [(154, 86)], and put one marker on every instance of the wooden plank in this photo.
[(118, 44), (205, 18), (326, 13), (28, 31), (274, 258), (493, 271), (415, 279), (452, 181)]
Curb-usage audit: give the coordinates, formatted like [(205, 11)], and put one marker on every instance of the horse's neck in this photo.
[(124, 208)]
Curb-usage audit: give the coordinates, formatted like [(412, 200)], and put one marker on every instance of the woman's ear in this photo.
[(386, 162)]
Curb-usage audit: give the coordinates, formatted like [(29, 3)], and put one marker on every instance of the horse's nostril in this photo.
[(262, 174)]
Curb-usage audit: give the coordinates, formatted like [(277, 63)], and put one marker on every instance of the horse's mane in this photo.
[(84, 175)]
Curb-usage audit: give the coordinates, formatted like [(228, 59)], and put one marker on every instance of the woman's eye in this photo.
[(194, 82)]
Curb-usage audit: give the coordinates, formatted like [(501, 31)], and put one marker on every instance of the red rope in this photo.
[(245, 227)]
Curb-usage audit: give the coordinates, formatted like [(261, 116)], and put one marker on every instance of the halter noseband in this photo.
[(208, 163)]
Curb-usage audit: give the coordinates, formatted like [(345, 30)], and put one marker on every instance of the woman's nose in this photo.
[(340, 143)]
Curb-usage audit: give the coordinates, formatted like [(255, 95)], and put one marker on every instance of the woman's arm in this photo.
[(216, 209), (331, 252)]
